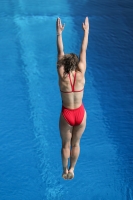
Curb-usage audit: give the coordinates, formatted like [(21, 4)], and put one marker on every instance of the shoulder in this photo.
[(60, 70), (81, 68)]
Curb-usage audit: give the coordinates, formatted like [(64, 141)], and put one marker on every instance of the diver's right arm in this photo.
[(59, 29), (82, 57)]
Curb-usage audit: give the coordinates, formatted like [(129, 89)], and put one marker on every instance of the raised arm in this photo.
[(82, 57), (59, 29)]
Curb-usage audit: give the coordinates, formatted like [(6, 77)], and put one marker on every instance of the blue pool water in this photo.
[(30, 163)]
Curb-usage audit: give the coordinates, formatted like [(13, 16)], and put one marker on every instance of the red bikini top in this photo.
[(72, 85)]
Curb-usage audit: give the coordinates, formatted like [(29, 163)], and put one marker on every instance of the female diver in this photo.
[(71, 72)]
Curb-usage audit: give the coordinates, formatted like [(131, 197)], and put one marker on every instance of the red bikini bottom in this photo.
[(73, 117)]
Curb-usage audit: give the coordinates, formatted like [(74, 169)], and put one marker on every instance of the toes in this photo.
[(70, 175), (64, 176)]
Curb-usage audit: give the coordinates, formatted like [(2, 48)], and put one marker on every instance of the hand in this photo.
[(85, 25), (59, 26)]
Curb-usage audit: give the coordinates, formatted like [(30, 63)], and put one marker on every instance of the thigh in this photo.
[(78, 131), (65, 131)]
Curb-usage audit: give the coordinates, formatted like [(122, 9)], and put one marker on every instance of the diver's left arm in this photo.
[(59, 29), (82, 57)]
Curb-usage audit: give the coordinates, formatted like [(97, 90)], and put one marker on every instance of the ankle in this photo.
[(65, 169), (71, 169)]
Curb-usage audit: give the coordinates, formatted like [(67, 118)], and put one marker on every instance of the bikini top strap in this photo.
[(72, 85), (74, 81)]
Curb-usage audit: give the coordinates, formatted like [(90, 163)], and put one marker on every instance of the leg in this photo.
[(66, 135), (75, 144)]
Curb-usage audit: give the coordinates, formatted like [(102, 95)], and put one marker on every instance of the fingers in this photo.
[(86, 20), (83, 25), (62, 26), (59, 21)]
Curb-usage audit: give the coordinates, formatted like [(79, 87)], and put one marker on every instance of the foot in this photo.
[(70, 174), (65, 174)]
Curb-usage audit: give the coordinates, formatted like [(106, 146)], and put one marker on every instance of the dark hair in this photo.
[(69, 61)]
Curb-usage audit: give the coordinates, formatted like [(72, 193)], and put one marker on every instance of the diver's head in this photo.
[(69, 61)]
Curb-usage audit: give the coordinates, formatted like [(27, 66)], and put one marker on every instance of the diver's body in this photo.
[(71, 71)]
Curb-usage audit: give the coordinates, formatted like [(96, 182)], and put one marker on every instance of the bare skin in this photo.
[(71, 135)]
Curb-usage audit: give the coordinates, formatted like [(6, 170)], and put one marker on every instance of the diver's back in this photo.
[(72, 87)]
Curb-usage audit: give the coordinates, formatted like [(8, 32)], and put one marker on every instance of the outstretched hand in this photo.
[(59, 26), (85, 25)]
